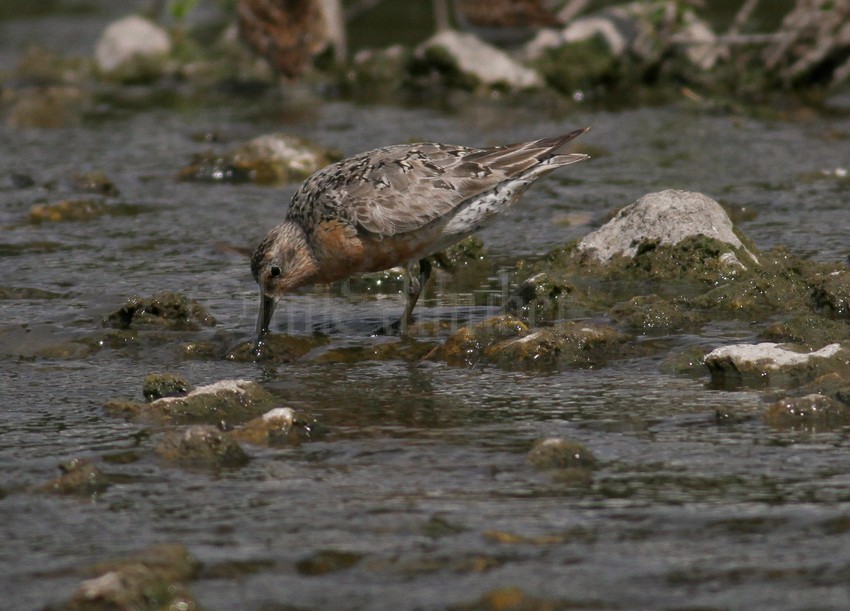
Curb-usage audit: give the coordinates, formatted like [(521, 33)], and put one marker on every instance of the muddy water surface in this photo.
[(423, 476)]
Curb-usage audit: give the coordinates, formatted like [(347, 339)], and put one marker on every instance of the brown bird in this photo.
[(290, 33), (395, 205)]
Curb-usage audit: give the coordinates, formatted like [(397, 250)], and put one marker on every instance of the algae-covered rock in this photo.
[(809, 330), (655, 314), (80, 477), (201, 446), (571, 66), (151, 579), (779, 286), (467, 344), (56, 106), (68, 210), (542, 297), (769, 363), (126, 408), (668, 218), (281, 426), (686, 361), (558, 453), (277, 348), (132, 49), (374, 72), (468, 251), (268, 160), (572, 343), (227, 400), (159, 385), (395, 349), (814, 411), (166, 309), (672, 262), (831, 293), (224, 401)]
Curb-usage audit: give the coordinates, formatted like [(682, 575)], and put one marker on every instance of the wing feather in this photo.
[(401, 188)]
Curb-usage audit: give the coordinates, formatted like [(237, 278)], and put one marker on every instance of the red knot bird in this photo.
[(395, 205), (290, 33)]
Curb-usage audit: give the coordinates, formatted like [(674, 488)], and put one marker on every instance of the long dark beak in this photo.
[(264, 318)]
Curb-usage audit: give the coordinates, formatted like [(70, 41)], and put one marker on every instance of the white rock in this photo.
[(767, 356), (587, 28), (280, 414), (667, 217), (128, 40), (490, 65)]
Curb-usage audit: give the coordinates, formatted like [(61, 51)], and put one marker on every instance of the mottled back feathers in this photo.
[(402, 188)]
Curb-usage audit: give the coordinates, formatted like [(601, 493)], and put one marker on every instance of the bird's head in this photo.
[(280, 263)]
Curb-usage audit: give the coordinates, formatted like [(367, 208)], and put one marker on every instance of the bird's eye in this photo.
[(275, 271)]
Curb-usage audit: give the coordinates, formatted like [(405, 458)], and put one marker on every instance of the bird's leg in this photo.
[(414, 289), (415, 284)]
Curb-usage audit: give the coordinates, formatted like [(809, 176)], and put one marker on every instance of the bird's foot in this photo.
[(396, 328)]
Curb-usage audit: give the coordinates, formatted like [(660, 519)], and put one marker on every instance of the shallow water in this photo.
[(425, 461)]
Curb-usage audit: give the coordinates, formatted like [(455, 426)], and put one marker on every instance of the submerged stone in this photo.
[(227, 400), (94, 182), (68, 210), (201, 446), (277, 348), (26, 292), (327, 561), (656, 314), (559, 453), (268, 160), (403, 349), (166, 309), (571, 344), (281, 426), (467, 344), (56, 106), (224, 401), (151, 579), (80, 477), (814, 411), (769, 363)]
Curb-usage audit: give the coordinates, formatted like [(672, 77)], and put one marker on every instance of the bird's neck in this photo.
[(301, 264)]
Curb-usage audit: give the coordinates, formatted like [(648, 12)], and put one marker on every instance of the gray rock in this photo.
[(486, 63), (666, 218), (132, 47)]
